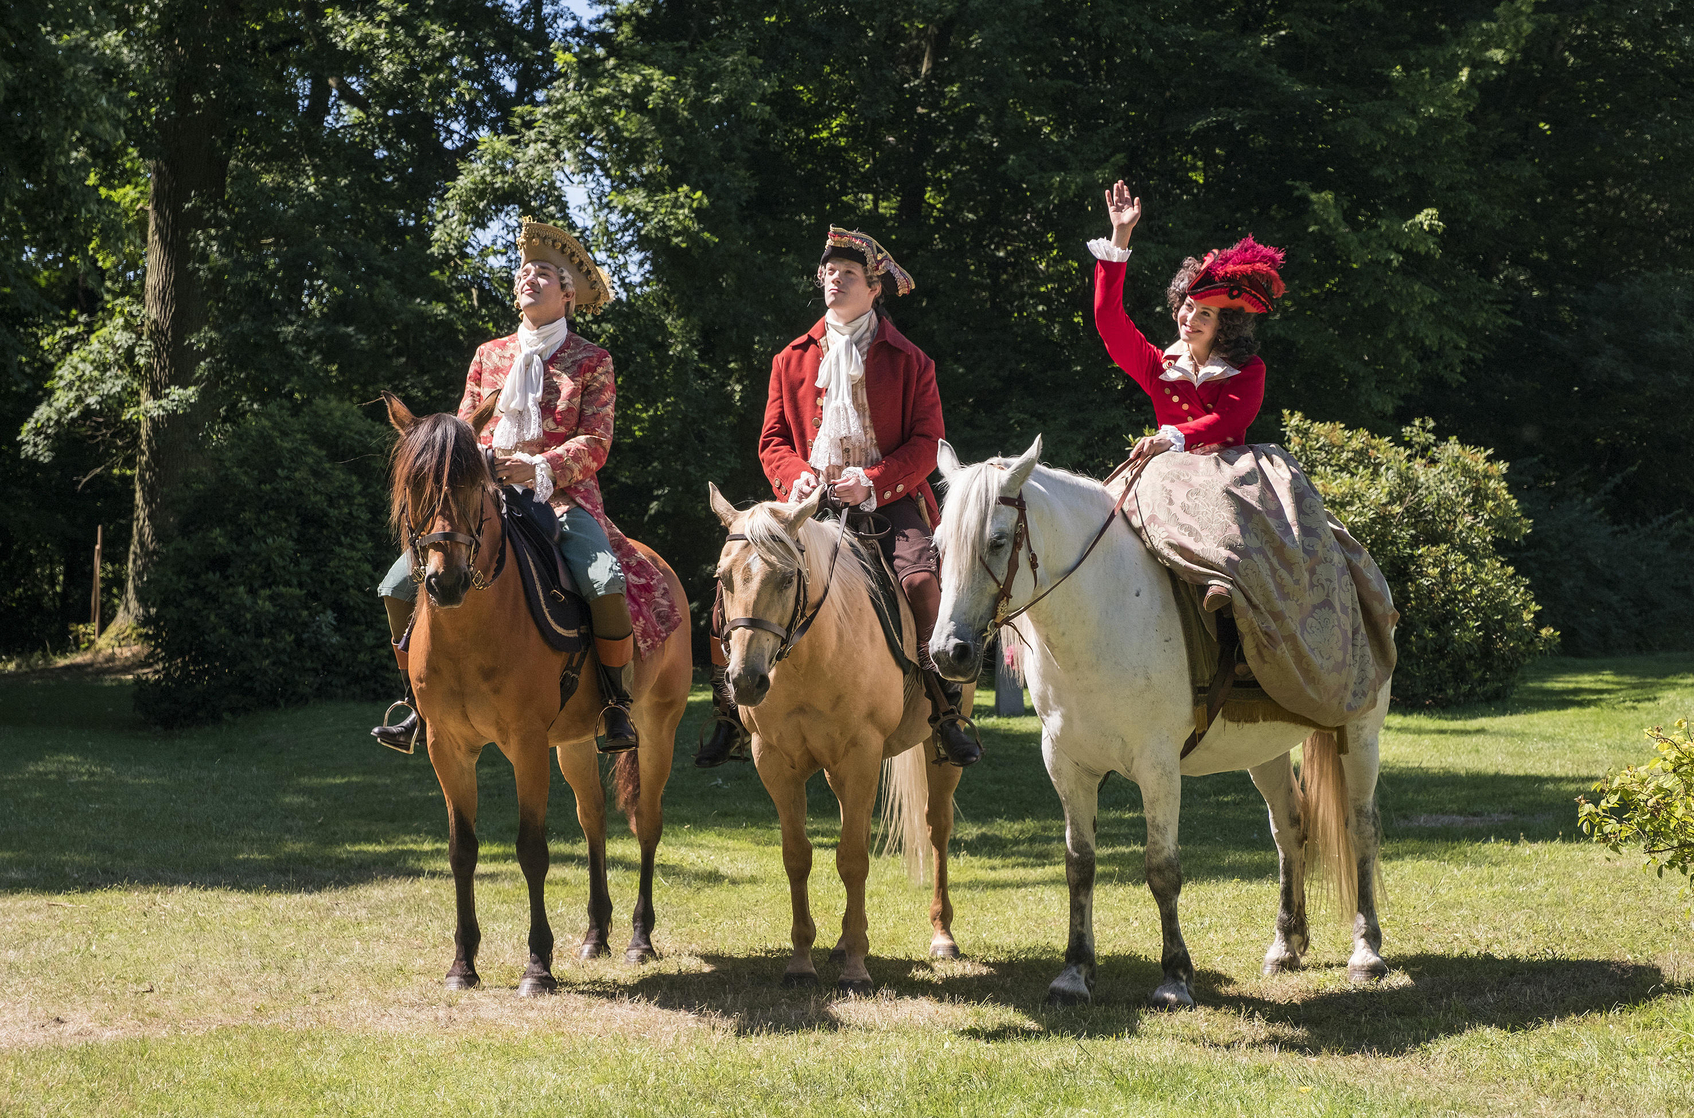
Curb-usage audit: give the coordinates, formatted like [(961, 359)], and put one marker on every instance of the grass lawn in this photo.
[(254, 918)]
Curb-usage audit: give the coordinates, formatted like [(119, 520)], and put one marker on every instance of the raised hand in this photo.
[(1124, 210)]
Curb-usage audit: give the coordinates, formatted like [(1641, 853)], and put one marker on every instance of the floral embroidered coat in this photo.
[(577, 404)]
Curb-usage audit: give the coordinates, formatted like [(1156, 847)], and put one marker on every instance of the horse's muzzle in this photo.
[(447, 590), (956, 658), (749, 687)]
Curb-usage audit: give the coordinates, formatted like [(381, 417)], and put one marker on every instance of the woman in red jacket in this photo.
[(1207, 386)]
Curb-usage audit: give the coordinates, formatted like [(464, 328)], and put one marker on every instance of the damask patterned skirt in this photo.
[(1315, 614)]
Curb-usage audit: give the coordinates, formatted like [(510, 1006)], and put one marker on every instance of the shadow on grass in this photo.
[(1446, 996)]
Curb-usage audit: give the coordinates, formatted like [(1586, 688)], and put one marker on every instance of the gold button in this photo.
[(886, 494), (817, 421), (899, 489), (820, 401), (1185, 405)]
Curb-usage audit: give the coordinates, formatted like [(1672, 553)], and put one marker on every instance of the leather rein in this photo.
[(1021, 540), (798, 619)]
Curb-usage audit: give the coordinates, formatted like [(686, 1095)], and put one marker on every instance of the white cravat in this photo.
[(842, 367), (520, 399)]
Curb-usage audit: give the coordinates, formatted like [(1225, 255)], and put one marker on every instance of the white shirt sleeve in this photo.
[(1104, 249), (854, 473), (1179, 441)]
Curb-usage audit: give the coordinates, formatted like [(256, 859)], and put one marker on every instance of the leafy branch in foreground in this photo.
[(1649, 807)]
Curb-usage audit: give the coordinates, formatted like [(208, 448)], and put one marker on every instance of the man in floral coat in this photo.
[(853, 405), (552, 432)]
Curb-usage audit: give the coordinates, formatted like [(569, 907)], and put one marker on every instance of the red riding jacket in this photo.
[(905, 414), (1216, 413)]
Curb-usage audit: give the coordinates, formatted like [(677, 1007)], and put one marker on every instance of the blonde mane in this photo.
[(973, 493), (773, 544)]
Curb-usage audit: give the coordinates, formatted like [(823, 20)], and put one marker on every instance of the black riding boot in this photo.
[(620, 731), (406, 733), (950, 725), (728, 739)]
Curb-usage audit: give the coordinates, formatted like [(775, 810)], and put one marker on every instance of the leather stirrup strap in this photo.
[(1216, 695)]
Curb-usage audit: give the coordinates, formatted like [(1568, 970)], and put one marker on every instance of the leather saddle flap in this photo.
[(892, 609), (559, 611)]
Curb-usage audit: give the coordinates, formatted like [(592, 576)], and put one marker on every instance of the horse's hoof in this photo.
[(1070, 988), (855, 987), (592, 950), (1373, 970), (837, 955), (1172, 995), (797, 980), (1284, 965), (468, 981), (640, 955), (537, 985), (945, 949)]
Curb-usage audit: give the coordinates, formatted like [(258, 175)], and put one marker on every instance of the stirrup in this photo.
[(412, 742), (956, 717), (741, 750)]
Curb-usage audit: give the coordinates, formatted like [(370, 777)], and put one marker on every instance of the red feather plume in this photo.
[(1246, 259)]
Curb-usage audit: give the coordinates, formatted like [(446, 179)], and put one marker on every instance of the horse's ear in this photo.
[(1018, 472), (945, 459), (483, 413), (795, 516), (726, 511), (398, 414)]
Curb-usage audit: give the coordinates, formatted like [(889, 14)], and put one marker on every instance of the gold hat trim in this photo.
[(539, 241)]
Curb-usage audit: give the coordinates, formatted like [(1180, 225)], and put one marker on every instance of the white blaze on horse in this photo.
[(1107, 667), (820, 689)]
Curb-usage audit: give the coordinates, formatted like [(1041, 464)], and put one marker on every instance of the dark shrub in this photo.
[(1433, 515), (264, 593)]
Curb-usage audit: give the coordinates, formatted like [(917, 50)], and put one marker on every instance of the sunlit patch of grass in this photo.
[(254, 918)]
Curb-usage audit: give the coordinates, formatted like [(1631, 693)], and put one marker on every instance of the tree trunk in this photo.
[(187, 177)]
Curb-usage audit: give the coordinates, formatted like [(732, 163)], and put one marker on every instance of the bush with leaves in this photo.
[(1433, 515), (264, 593), (1649, 808)]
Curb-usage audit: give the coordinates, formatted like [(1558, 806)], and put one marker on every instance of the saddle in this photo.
[(887, 595), (560, 613), (1222, 684)]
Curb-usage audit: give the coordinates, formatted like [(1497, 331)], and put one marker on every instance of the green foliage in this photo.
[(265, 595), (1433, 515), (1649, 808)]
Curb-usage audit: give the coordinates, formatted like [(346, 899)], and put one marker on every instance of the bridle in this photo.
[(1021, 540), (418, 544), (798, 619)]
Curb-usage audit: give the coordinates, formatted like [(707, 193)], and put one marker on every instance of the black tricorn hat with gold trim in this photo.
[(538, 241)]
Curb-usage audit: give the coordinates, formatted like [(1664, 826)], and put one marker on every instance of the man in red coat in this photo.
[(853, 405)]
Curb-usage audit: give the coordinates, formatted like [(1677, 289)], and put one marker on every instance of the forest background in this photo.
[(224, 227)]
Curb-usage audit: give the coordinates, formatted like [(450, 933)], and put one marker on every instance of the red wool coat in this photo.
[(1214, 414), (905, 413)]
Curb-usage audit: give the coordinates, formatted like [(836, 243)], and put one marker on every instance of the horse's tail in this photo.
[(1328, 817), (905, 810), (626, 784)]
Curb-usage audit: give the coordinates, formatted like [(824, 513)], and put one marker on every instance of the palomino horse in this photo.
[(1106, 664), (482, 672), (819, 689)]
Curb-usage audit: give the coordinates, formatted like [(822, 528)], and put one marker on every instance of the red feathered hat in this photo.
[(1243, 277)]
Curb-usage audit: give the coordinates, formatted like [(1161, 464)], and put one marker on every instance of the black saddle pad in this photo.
[(559, 611), (885, 596)]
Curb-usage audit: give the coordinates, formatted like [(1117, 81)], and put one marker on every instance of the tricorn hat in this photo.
[(862, 247), (538, 241), (1243, 276)]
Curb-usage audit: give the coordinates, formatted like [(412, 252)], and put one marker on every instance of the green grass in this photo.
[(254, 918)]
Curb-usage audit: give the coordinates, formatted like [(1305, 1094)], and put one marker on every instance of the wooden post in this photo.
[(1008, 692), (94, 604)]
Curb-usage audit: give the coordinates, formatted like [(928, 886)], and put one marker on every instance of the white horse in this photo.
[(1108, 670)]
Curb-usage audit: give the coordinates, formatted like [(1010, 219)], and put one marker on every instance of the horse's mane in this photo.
[(437, 464), (973, 492), (775, 546)]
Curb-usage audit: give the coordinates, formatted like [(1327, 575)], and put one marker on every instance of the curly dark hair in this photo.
[(1234, 341)]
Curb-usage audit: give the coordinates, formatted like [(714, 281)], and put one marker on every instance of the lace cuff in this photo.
[(1179, 441), (854, 473), (543, 484), (1104, 249)]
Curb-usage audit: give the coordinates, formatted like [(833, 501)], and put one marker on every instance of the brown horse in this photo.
[(832, 699), (482, 672)]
